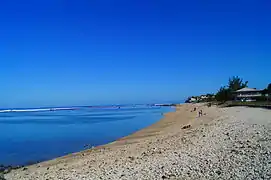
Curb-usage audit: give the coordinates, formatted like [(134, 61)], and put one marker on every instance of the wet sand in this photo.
[(225, 143)]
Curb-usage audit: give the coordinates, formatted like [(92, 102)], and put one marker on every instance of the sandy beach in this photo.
[(225, 143)]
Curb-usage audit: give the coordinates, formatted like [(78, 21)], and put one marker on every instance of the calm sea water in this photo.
[(27, 137)]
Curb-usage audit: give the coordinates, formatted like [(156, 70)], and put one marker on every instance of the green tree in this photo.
[(227, 93), (265, 91), (268, 91), (210, 97), (236, 83), (223, 94), (269, 88)]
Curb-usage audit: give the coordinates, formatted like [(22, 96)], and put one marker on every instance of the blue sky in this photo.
[(59, 52)]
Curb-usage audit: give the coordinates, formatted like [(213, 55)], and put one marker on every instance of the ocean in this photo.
[(33, 135)]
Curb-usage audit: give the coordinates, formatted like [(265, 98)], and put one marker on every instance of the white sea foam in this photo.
[(33, 110), (6, 110)]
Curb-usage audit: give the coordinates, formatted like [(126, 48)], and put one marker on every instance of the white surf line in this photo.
[(34, 110)]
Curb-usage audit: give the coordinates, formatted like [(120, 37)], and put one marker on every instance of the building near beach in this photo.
[(203, 97), (193, 99), (248, 94)]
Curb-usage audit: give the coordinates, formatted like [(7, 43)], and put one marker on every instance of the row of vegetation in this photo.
[(226, 93)]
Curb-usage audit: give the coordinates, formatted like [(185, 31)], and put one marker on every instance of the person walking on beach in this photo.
[(200, 113)]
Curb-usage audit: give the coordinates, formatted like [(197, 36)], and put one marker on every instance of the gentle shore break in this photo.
[(224, 143)]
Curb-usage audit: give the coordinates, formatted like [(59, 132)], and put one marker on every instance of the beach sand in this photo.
[(225, 143)]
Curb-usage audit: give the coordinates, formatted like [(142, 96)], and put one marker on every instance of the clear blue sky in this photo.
[(60, 52)]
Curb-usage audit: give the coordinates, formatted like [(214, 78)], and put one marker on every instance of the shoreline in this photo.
[(126, 140), (180, 145), (146, 133), (8, 167)]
